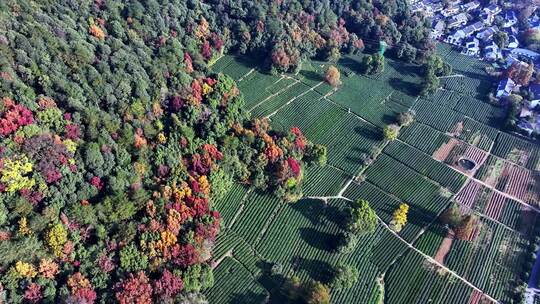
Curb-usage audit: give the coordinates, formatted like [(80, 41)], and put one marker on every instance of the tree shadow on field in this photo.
[(253, 61), (271, 282), (421, 217), (405, 69), (311, 75), (249, 297), (316, 269), (310, 209), (318, 239), (369, 133), (351, 64), (389, 118), (407, 87), (495, 121), (336, 215)]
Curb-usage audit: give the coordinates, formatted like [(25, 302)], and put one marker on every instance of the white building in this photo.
[(457, 20), (472, 47)]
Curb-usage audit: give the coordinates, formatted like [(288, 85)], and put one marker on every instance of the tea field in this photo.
[(264, 241)]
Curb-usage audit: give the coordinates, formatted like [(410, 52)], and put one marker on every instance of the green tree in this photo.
[(347, 242), (501, 39), (430, 84), (391, 132), (372, 64), (131, 259), (451, 216), (345, 276), (317, 293), (406, 118), (317, 154), (362, 217)]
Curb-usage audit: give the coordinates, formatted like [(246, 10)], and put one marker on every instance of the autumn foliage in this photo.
[(332, 76), (96, 31), (399, 218)]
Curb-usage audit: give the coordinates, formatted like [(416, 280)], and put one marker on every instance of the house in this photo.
[(529, 124), (454, 2), (456, 38), (473, 28), (510, 19), (534, 21), (492, 9), (457, 20), (525, 126), (487, 19), (510, 60), (486, 34), (534, 92), (437, 7), (470, 6), (472, 47), (535, 25), (438, 29), (505, 88), (492, 52), (525, 112), (512, 42), (513, 30), (534, 105), (418, 7), (450, 11), (525, 53)]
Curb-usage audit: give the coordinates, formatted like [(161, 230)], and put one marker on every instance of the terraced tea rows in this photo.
[(420, 169)]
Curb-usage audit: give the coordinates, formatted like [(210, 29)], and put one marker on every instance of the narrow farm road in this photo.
[(294, 98), (506, 195), (411, 246), (278, 92)]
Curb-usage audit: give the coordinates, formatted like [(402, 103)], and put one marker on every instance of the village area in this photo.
[(506, 35)]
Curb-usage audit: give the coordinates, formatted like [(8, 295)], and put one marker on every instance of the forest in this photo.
[(116, 137)]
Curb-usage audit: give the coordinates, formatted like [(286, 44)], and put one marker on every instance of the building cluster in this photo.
[(471, 26), (492, 33)]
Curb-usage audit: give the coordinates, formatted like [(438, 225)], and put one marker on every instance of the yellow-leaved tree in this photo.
[(400, 217)]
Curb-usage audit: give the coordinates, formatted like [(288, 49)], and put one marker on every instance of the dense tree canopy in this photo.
[(116, 137)]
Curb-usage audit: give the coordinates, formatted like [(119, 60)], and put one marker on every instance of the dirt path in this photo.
[(218, 261), (536, 209), (294, 98), (246, 75), (445, 247), (276, 93)]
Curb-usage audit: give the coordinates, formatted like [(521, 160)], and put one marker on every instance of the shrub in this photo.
[(466, 227), (317, 293)]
